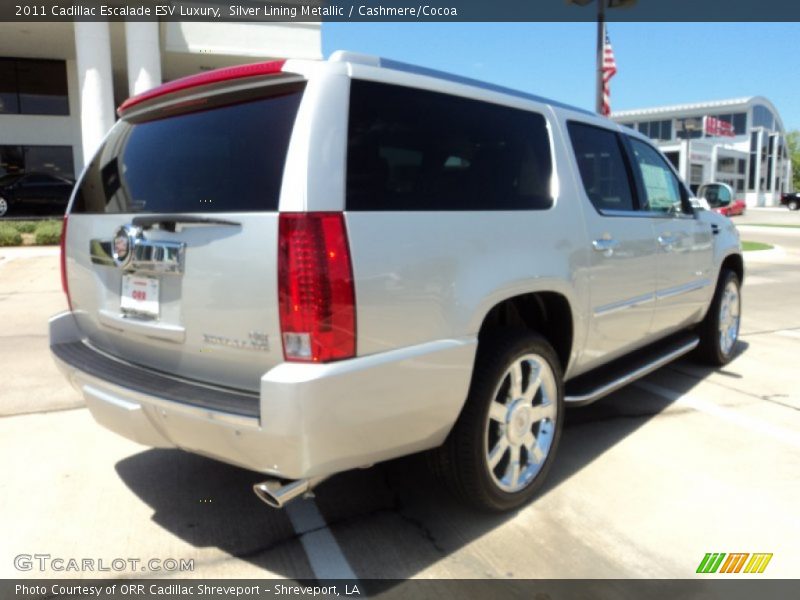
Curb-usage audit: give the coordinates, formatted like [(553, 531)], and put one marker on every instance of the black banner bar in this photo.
[(396, 10), (712, 587)]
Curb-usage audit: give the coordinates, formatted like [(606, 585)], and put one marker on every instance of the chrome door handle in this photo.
[(605, 246)]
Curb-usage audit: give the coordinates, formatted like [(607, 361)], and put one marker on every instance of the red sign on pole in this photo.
[(717, 128)]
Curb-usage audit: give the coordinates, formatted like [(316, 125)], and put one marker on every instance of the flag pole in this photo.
[(601, 36)]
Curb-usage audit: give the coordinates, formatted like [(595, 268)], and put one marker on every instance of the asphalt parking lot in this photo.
[(648, 480)]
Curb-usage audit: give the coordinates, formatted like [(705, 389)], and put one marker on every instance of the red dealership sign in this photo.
[(717, 128)]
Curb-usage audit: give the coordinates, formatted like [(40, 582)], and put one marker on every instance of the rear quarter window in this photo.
[(223, 159), (415, 150)]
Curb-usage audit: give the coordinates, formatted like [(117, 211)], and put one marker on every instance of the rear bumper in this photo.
[(307, 421)]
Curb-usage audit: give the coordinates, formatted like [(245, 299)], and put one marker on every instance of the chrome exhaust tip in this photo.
[(278, 494)]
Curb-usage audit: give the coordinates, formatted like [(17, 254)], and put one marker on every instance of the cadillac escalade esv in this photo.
[(305, 267)]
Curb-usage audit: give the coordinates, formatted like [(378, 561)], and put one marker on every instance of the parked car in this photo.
[(791, 200), (34, 193), (342, 262), (720, 198)]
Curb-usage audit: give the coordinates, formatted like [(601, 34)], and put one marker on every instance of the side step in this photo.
[(593, 385)]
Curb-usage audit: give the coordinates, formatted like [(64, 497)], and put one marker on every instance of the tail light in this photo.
[(63, 245), (315, 288)]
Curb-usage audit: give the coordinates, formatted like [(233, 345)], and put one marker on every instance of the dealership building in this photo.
[(60, 83), (740, 142)]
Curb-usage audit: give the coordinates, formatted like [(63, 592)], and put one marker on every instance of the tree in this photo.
[(793, 143)]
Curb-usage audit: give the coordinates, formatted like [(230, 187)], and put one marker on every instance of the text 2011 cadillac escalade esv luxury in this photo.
[(304, 267)]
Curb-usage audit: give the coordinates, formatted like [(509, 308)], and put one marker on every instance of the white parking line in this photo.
[(750, 423), (324, 554), (792, 333)]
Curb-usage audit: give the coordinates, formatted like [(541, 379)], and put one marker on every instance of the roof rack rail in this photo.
[(396, 65)]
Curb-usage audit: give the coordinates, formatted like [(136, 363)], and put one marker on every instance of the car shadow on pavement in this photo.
[(393, 520)]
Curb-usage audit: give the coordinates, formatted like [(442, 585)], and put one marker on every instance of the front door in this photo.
[(685, 250)]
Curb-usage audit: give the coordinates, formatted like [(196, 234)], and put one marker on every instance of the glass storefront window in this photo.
[(763, 117), (689, 129), (33, 87), (54, 160)]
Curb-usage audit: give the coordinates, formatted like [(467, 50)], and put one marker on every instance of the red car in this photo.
[(720, 199)]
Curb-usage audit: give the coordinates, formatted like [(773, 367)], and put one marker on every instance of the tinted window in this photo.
[(739, 123), (410, 149), (33, 87), (8, 86), (602, 167), (661, 188), (56, 160), (762, 116), (219, 160)]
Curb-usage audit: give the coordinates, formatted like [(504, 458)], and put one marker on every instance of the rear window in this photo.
[(410, 149), (224, 159)]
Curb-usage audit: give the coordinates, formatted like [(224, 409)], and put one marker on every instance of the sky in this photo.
[(658, 63)]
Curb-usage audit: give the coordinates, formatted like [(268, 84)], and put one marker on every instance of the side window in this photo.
[(661, 187), (602, 167), (411, 149)]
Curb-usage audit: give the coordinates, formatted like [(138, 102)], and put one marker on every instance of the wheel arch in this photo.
[(735, 263), (549, 313)]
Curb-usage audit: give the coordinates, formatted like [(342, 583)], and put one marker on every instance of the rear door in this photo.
[(172, 237), (623, 248)]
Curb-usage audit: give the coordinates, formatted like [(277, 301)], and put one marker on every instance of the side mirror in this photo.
[(699, 203)]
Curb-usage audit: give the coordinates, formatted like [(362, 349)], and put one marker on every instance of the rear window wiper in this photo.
[(169, 222)]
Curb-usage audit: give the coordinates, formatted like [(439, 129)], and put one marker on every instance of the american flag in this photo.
[(609, 70)]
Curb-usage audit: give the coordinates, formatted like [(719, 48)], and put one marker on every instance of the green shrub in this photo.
[(9, 236), (24, 226), (47, 233)]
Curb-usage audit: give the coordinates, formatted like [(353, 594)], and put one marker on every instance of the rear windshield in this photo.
[(225, 159), (411, 149)]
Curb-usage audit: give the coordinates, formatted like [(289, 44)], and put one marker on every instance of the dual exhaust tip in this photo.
[(277, 494)]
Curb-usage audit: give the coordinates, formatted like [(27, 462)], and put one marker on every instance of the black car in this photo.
[(791, 200), (33, 193)]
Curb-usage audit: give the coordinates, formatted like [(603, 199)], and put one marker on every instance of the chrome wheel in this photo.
[(3, 206), (520, 424), (730, 305)]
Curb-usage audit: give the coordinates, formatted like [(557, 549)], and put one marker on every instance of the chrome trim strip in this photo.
[(642, 214), (621, 382), (613, 307), (153, 329), (149, 256), (682, 289)]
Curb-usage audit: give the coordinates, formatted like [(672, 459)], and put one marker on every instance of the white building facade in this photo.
[(60, 83), (752, 158)]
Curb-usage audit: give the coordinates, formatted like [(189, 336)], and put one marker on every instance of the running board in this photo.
[(593, 385)]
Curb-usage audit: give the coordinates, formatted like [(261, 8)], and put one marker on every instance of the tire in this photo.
[(793, 204), (3, 207), (719, 331), (531, 418)]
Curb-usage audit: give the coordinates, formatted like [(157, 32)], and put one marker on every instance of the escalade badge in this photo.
[(256, 341)]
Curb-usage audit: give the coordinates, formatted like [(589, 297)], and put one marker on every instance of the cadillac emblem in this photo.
[(122, 246)]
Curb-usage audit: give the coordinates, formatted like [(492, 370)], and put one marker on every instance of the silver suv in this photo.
[(304, 267)]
